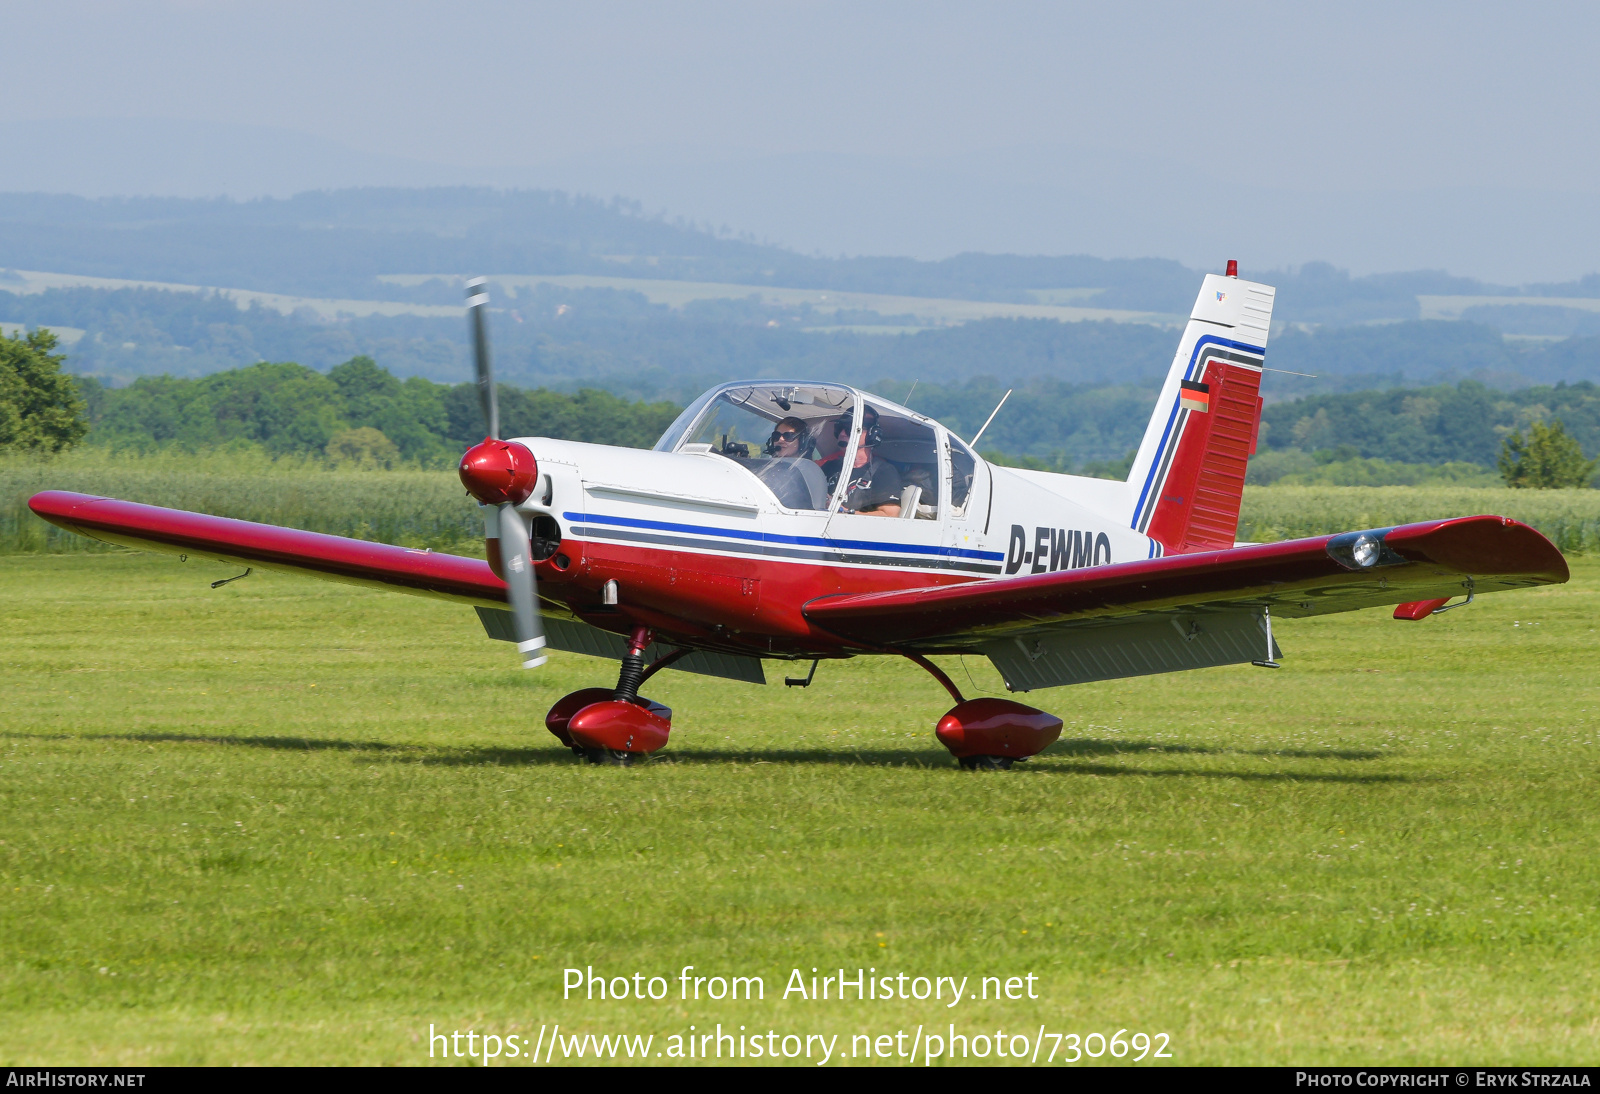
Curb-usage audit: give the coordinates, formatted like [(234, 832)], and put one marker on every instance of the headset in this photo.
[(806, 444), (871, 436)]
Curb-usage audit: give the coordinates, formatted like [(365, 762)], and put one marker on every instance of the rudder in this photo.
[(1187, 479)]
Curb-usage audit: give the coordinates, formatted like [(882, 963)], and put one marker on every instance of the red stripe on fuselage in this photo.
[(757, 603)]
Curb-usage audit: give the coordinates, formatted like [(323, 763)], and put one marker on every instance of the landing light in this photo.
[(1363, 550)]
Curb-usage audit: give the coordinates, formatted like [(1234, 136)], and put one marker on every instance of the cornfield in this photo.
[(429, 508), (410, 508), (1570, 518)]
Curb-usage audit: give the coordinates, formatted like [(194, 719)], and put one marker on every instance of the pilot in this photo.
[(874, 485), (790, 439)]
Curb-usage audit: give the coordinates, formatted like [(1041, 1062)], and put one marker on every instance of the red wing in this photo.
[(268, 546), (1298, 577)]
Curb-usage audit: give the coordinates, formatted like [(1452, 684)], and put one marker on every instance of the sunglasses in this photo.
[(840, 428), (786, 434)]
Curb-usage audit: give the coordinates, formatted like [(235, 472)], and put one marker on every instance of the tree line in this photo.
[(1466, 422), (358, 412)]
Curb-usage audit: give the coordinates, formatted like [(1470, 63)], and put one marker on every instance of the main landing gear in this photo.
[(990, 734), (616, 726)]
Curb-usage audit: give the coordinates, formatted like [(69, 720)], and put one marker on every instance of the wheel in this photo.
[(987, 763), (608, 756)]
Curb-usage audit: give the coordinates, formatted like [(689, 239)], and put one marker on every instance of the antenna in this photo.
[(992, 413), (913, 391)]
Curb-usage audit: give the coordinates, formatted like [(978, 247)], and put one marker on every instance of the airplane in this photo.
[(801, 520)]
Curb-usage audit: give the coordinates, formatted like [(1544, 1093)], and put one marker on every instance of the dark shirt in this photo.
[(874, 483)]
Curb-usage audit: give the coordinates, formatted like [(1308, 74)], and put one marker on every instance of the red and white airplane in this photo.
[(803, 521)]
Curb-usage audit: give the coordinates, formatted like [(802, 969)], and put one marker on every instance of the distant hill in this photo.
[(1351, 333), (336, 243), (618, 341)]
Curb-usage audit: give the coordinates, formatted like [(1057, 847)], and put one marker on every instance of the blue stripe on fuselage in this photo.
[(773, 537)]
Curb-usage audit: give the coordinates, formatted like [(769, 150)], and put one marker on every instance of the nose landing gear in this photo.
[(616, 725)]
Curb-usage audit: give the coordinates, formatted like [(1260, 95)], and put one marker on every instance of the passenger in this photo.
[(790, 439), (874, 484)]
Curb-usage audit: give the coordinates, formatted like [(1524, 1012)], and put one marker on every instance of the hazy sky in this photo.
[(882, 126)]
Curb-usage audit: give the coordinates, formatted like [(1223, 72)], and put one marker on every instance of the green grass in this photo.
[(292, 822)]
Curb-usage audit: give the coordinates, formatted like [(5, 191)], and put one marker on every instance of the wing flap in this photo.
[(270, 547), (576, 636), (1130, 647), (1297, 577)]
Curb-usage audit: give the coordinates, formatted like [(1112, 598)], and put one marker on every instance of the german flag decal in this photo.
[(1194, 396)]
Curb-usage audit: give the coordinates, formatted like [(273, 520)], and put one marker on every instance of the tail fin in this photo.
[(1188, 476)]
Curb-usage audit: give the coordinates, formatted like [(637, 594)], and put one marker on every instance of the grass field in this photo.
[(291, 822)]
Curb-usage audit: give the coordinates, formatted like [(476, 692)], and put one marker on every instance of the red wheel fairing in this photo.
[(618, 726), (996, 727), (568, 705)]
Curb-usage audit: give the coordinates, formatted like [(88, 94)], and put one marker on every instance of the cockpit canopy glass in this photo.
[(777, 431), (806, 443)]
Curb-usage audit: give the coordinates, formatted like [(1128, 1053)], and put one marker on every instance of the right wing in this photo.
[(1192, 610)]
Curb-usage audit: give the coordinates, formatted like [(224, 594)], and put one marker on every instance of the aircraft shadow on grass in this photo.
[(1093, 746), (906, 757)]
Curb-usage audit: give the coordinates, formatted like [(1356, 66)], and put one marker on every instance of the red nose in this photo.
[(496, 472)]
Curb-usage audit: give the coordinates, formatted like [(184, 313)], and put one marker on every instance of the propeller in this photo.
[(503, 474)]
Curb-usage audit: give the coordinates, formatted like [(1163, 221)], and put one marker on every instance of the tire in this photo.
[(609, 757), (987, 763)]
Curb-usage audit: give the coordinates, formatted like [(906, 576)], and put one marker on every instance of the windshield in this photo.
[(680, 425), (781, 432)]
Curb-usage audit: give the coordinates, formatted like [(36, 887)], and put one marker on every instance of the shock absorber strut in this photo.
[(632, 674)]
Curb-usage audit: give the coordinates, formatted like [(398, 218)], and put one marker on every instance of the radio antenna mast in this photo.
[(992, 413)]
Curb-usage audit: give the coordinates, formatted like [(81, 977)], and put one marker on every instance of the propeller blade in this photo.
[(477, 306), (516, 551)]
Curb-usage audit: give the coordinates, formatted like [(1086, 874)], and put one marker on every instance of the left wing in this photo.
[(336, 558), (354, 562), (1193, 610)]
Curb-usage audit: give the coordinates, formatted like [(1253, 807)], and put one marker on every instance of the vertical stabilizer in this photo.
[(1187, 480)]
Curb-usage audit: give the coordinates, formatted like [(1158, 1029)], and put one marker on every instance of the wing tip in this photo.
[(1484, 544)]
